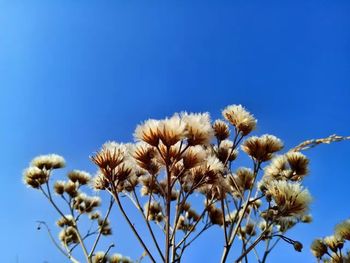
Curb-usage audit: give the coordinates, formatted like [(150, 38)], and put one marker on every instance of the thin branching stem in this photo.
[(111, 202), (114, 193)]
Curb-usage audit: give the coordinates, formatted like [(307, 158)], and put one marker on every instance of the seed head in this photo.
[(262, 148), (49, 161), (240, 118)]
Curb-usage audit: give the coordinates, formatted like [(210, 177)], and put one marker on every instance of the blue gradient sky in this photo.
[(74, 74)]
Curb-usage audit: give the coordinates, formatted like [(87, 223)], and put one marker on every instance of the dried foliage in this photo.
[(173, 162)]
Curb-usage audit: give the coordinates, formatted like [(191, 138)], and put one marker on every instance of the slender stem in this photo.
[(100, 230), (224, 219), (178, 210), (49, 197), (250, 248), (193, 228), (68, 255), (147, 223), (116, 197), (168, 197), (245, 207)]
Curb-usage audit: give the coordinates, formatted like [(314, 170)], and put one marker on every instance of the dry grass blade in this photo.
[(314, 142)]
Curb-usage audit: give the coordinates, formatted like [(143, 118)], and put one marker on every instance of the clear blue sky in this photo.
[(74, 74)]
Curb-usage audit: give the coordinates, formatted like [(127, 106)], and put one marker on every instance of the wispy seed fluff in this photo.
[(318, 248), (145, 157), (291, 166), (225, 152), (291, 199), (221, 130), (342, 230), (81, 177), (240, 118), (333, 242), (193, 156), (172, 130), (262, 148), (148, 132), (198, 128), (49, 161), (110, 156), (34, 177), (115, 161)]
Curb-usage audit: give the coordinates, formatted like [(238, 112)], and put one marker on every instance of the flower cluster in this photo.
[(174, 162), (331, 248)]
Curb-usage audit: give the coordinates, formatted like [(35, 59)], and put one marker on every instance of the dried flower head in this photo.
[(240, 118), (241, 181), (216, 215), (59, 187), (193, 157), (153, 211), (67, 220), (221, 130), (291, 199), (342, 230), (71, 188), (85, 204), (198, 128), (35, 177), (100, 257), (318, 248), (118, 258), (95, 215), (99, 182), (146, 158), (262, 148), (49, 161), (291, 166), (109, 157), (104, 227), (81, 177), (148, 132), (226, 152), (306, 219), (172, 130), (68, 236), (333, 242)]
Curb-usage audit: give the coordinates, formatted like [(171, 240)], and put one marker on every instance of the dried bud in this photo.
[(298, 246)]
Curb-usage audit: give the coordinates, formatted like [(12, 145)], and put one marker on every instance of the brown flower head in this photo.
[(342, 230), (221, 130), (240, 118), (172, 130), (148, 132), (35, 177), (262, 148), (291, 199), (198, 128), (318, 248), (49, 161), (145, 157), (81, 177)]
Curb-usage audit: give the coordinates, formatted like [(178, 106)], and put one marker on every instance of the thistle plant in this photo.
[(175, 165)]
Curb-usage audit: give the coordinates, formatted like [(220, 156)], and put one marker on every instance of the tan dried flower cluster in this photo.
[(331, 248), (103, 257), (174, 162), (38, 172)]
